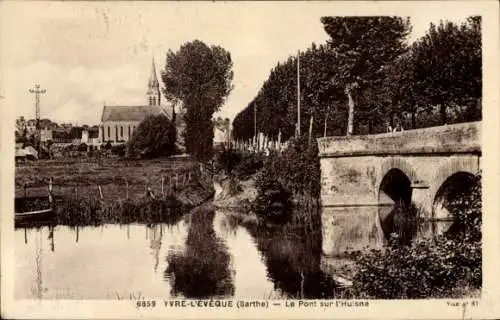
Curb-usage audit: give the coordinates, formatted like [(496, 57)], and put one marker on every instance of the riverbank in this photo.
[(234, 193), (116, 190)]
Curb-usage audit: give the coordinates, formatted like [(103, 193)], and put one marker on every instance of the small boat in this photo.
[(33, 209)]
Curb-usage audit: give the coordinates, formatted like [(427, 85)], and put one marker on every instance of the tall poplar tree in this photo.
[(201, 77)]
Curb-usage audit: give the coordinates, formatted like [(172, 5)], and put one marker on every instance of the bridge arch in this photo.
[(453, 179), (388, 168), (398, 163), (394, 194), (454, 165)]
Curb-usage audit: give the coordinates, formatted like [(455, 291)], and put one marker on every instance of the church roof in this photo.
[(129, 113)]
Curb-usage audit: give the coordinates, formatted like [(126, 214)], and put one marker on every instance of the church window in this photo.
[(121, 131), (150, 101), (129, 132), (109, 133), (116, 133)]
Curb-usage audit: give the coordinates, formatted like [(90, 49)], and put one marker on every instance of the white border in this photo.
[(418, 309)]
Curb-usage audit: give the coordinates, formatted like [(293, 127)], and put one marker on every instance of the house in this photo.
[(46, 135), (61, 136), (91, 138)]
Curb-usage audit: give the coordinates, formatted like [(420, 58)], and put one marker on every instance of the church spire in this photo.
[(153, 80), (153, 94)]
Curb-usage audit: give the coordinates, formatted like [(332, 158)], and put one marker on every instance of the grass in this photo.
[(115, 190), (113, 174)]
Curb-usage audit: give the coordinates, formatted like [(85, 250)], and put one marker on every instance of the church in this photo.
[(118, 123)]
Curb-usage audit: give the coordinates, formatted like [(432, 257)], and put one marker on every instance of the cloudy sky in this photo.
[(88, 53)]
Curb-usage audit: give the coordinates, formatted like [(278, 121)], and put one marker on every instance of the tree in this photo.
[(449, 68), (200, 76), (363, 46), (76, 132), (154, 137)]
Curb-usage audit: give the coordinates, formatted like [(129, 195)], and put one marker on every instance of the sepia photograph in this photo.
[(258, 156)]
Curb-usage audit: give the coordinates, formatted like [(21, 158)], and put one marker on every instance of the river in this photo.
[(204, 254)]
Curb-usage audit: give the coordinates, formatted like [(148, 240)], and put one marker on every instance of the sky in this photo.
[(86, 54)]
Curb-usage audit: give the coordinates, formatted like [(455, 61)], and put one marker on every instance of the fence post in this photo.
[(50, 189), (100, 192), (126, 189), (162, 190)]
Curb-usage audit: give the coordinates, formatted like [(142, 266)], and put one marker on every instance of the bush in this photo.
[(154, 137), (273, 200), (107, 146), (299, 167), (249, 164), (227, 159), (82, 147), (240, 164), (118, 149), (295, 171), (428, 268)]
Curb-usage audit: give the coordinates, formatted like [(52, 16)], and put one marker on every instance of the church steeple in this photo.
[(153, 94)]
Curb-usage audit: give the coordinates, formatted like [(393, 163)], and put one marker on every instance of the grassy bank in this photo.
[(115, 190)]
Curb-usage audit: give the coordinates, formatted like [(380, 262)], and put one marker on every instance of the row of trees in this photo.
[(367, 77)]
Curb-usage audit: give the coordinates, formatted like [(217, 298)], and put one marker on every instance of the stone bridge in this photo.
[(362, 177)]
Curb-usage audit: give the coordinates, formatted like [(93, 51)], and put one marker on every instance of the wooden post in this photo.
[(310, 129), (25, 190), (162, 190), (76, 191), (50, 190), (326, 118), (176, 180), (100, 192), (126, 189)]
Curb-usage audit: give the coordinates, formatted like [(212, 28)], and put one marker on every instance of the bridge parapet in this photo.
[(457, 138)]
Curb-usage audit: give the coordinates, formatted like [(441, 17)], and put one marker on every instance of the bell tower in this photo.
[(153, 93)]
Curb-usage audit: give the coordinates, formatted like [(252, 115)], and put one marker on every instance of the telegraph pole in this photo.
[(255, 122), (37, 92)]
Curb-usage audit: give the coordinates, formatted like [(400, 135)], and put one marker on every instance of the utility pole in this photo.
[(298, 93), (37, 91), (255, 123)]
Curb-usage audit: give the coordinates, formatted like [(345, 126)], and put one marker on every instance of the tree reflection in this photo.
[(202, 270), (292, 253)]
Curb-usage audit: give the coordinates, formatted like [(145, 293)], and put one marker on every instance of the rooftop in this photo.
[(129, 113)]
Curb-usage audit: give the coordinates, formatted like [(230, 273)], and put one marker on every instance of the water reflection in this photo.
[(202, 270), (203, 255), (155, 234), (292, 254)]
